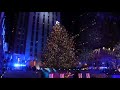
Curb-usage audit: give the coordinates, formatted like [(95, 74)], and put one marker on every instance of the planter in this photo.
[(62, 75), (79, 75), (51, 75), (87, 75)]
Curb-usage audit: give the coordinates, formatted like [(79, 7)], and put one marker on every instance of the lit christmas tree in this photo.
[(116, 51), (59, 51)]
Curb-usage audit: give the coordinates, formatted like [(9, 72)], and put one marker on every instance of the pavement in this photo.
[(20, 74)]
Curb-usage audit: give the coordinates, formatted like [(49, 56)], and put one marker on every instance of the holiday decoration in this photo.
[(59, 51)]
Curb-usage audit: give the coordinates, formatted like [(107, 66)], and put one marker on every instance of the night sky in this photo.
[(95, 29)]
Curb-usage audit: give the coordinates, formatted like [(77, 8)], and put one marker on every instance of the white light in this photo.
[(119, 69), (57, 22), (18, 65), (103, 47), (48, 69), (113, 49), (37, 67)]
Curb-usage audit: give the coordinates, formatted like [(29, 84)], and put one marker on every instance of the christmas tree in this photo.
[(116, 51), (59, 51)]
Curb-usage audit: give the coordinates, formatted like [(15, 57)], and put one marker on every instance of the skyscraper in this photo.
[(3, 44), (32, 31)]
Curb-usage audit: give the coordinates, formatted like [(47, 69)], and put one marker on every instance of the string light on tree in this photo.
[(59, 51)]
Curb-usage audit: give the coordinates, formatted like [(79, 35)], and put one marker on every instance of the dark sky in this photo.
[(105, 33)]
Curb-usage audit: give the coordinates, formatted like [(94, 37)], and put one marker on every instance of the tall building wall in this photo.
[(21, 32), (40, 25), (33, 28), (3, 44)]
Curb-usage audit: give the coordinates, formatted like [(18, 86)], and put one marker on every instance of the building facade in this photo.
[(3, 44), (32, 31)]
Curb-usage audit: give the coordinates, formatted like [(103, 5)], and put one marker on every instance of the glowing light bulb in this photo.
[(103, 48), (57, 22)]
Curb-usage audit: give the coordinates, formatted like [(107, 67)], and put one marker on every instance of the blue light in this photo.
[(54, 70), (48, 69), (103, 67), (19, 65)]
